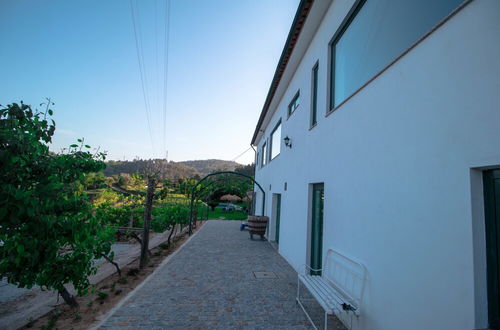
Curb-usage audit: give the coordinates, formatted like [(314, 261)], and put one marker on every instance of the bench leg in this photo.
[(326, 321), (302, 306), (298, 289), (307, 314)]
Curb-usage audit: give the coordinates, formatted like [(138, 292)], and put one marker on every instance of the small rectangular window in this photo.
[(275, 144), (264, 153), (294, 104), (314, 95)]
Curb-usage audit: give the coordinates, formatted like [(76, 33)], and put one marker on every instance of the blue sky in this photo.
[(82, 54)]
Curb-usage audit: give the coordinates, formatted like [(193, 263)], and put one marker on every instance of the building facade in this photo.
[(378, 139)]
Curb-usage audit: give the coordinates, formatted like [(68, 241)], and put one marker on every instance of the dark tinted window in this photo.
[(264, 155), (314, 93), (294, 104)]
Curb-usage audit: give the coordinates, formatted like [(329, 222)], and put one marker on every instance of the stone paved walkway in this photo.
[(210, 284)]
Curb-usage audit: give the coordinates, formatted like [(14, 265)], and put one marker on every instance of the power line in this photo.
[(165, 83), (143, 61), (244, 152), (157, 75), (140, 59)]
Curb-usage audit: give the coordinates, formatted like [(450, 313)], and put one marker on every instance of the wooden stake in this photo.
[(147, 219)]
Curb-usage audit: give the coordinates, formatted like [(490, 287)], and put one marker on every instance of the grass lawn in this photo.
[(219, 213)]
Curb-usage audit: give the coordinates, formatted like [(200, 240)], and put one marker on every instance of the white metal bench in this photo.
[(339, 289)]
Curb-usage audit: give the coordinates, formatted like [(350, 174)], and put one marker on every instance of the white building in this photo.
[(392, 113)]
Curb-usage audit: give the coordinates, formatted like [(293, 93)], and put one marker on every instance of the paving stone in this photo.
[(211, 284)]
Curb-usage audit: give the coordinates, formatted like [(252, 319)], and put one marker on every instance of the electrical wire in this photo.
[(244, 152), (157, 75), (142, 71), (165, 83)]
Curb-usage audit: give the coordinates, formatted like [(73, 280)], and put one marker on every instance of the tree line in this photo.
[(172, 170)]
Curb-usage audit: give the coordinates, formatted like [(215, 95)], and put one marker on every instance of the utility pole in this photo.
[(147, 220)]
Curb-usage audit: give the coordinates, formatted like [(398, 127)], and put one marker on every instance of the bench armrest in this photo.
[(304, 268)]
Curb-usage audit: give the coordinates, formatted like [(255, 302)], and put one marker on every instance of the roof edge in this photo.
[(293, 35)]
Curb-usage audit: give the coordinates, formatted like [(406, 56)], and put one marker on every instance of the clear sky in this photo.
[(82, 54)]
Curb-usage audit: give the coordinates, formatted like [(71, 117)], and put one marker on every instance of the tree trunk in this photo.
[(147, 219), (170, 234), (114, 264), (68, 298), (138, 239)]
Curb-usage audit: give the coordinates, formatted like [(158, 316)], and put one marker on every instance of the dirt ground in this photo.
[(105, 294)]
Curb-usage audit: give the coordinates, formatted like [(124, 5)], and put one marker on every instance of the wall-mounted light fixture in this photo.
[(288, 142)]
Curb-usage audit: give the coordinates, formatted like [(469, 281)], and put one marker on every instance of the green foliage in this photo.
[(49, 234), (116, 208), (54, 316), (101, 295), (218, 213), (165, 217), (123, 179), (213, 203), (107, 197), (116, 199), (94, 180), (246, 169), (120, 216), (216, 186), (185, 186), (116, 216), (137, 182)]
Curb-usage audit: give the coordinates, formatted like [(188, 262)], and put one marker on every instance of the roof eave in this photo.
[(293, 35)]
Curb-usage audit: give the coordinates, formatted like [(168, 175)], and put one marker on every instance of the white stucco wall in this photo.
[(396, 161)]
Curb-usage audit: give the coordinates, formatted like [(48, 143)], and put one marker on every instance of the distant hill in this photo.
[(211, 165), (174, 170)]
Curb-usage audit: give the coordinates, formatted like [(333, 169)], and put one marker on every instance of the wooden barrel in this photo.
[(257, 225)]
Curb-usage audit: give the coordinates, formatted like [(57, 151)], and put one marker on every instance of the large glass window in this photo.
[(375, 34), (264, 154), (275, 141)]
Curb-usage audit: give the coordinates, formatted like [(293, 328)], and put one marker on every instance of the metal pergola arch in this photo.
[(220, 173), (199, 193)]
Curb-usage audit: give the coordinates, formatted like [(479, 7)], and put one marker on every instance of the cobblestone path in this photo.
[(211, 284)]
